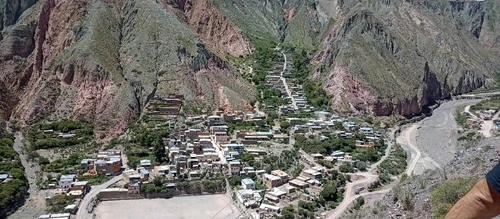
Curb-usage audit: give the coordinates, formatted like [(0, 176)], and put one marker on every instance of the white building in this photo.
[(66, 180)]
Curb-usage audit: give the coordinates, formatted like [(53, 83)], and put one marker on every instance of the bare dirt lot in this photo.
[(203, 207)]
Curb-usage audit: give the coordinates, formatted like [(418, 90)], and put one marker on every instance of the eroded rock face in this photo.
[(102, 61), (213, 27), (406, 54), (11, 10)]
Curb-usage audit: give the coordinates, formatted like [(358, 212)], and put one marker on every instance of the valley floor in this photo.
[(431, 143), (35, 203)]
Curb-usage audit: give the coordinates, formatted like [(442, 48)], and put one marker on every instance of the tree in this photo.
[(159, 150), (360, 201), (158, 181), (345, 168), (384, 178), (360, 165), (306, 205), (329, 192), (284, 126), (17, 173), (247, 157), (235, 181), (288, 212)]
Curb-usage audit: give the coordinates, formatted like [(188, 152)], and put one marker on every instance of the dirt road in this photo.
[(487, 125), (82, 210), (368, 178), (430, 133), (349, 195), (283, 79)]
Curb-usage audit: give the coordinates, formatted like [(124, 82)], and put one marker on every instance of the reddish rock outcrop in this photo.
[(86, 60), (214, 29), (374, 59)]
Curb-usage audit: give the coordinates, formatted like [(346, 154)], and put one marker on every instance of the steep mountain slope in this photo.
[(397, 57), (384, 56), (103, 60), (296, 22)]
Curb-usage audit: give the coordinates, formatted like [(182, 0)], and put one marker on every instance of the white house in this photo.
[(248, 183), (66, 180)]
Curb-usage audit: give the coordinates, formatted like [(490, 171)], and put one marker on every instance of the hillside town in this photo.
[(265, 163)]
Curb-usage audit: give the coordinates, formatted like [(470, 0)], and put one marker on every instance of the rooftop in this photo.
[(80, 183), (145, 162), (247, 181), (4, 176), (68, 177), (279, 173), (271, 177)]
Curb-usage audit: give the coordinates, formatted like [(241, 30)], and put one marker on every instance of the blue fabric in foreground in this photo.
[(493, 178)]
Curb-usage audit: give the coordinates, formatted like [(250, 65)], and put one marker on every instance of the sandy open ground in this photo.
[(190, 207)]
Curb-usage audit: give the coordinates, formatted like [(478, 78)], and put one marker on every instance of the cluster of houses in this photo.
[(71, 186), (290, 91), (482, 115), (107, 163), (324, 124), (280, 188)]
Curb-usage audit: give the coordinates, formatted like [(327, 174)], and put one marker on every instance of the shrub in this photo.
[(344, 168), (446, 194), (360, 201)]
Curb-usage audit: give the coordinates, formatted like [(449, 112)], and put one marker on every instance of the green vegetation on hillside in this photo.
[(396, 163), (493, 103), (287, 160), (83, 133), (313, 89), (312, 146), (142, 140), (57, 203), (446, 194), (62, 165), (13, 192)]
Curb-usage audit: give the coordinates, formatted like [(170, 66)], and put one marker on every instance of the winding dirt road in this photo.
[(368, 178), (441, 121), (416, 154)]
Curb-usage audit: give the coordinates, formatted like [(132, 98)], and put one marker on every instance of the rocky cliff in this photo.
[(103, 60), (213, 27), (384, 56), (398, 57)]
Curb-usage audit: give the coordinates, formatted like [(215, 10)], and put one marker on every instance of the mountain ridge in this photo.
[(103, 60)]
